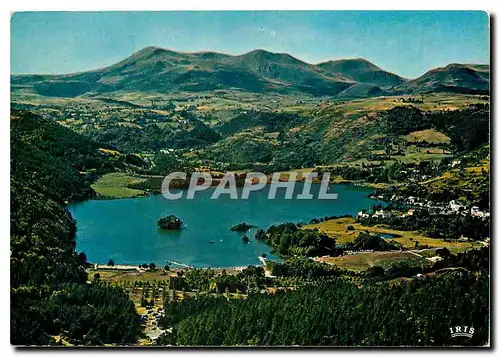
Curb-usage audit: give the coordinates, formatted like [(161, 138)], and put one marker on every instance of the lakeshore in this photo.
[(120, 185), (126, 231)]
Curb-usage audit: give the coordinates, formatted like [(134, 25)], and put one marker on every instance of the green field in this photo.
[(337, 228), (363, 261), (114, 185), (429, 135)]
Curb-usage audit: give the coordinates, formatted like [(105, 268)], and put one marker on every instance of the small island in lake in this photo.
[(170, 222), (245, 239), (242, 227)]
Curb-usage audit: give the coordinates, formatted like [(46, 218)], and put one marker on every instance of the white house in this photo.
[(409, 213), (456, 206), (166, 151), (381, 213), (362, 214), (476, 212)]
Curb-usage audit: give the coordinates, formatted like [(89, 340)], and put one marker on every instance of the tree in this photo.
[(170, 106), (375, 271), (152, 266), (82, 259), (111, 263), (443, 252), (170, 222)]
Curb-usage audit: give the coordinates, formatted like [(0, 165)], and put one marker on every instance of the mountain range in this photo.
[(154, 69)]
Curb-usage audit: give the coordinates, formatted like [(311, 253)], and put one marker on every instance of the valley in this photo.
[(409, 159)]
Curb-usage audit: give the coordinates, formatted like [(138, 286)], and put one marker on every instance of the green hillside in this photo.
[(157, 70), (459, 78), (361, 71), (48, 284)]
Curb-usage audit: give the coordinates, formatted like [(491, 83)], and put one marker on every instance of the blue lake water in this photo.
[(126, 231)]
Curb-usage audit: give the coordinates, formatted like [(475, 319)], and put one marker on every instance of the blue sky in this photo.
[(406, 43)]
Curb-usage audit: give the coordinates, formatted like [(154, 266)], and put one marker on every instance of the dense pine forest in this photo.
[(50, 295), (337, 312)]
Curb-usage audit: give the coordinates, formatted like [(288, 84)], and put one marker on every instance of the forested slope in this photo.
[(50, 295), (339, 313)]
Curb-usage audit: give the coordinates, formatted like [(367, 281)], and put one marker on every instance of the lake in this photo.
[(126, 231)]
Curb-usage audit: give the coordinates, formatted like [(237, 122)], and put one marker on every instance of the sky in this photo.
[(404, 42)]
